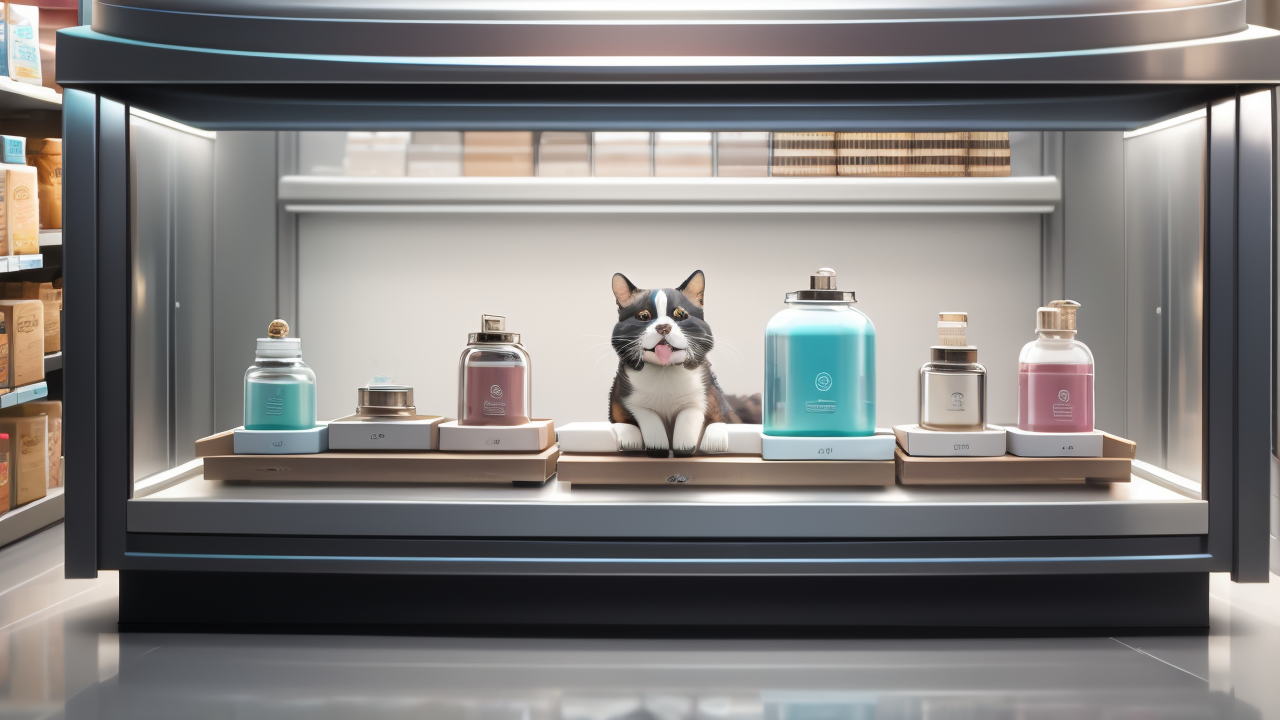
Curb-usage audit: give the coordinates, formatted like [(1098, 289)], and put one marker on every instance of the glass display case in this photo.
[(379, 200)]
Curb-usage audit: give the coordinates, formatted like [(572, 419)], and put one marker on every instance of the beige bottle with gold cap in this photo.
[(953, 386)]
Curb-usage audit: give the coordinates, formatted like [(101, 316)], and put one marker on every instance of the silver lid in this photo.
[(493, 329), (382, 398), (822, 289)]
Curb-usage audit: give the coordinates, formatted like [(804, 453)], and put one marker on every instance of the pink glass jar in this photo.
[(1055, 375), (494, 386)]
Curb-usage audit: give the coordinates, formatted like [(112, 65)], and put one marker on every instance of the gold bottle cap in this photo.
[(278, 329), (1066, 313), (1047, 319)]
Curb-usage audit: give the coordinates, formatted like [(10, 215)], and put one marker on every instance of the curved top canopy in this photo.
[(689, 28)]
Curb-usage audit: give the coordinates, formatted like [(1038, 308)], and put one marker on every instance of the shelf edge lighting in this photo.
[(1166, 124), (206, 134)]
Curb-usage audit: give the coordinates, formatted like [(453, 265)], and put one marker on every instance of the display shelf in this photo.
[(50, 237), (309, 194), (21, 522), (52, 361), (19, 96), (14, 263), (199, 506), (26, 393)]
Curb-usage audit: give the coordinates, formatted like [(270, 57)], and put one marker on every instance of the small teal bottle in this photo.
[(279, 389), (820, 365)]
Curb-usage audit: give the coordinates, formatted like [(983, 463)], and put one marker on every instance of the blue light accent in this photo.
[(677, 561)]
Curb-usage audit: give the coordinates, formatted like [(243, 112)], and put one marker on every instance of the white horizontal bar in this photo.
[(301, 193), (647, 209)]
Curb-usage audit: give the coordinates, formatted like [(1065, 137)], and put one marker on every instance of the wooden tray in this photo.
[(722, 470), (1115, 465), (371, 467)]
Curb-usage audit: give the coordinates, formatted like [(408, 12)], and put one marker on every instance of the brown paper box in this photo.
[(45, 155), (1115, 465), (53, 410), (28, 457), (24, 320), (724, 470), (51, 297), (20, 214), (497, 154)]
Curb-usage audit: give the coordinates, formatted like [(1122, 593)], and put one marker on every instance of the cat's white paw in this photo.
[(629, 437), (715, 439)]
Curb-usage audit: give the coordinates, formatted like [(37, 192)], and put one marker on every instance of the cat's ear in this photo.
[(694, 287), (623, 290)]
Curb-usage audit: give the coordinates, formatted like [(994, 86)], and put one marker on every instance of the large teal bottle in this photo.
[(820, 365), (279, 389)]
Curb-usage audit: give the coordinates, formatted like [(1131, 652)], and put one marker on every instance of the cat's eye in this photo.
[(680, 314), (644, 315)]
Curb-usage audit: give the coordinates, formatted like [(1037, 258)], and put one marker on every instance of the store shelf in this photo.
[(26, 393), (50, 237), (14, 263), (317, 194), (19, 96), (21, 522), (52, 361), (1137, 508)]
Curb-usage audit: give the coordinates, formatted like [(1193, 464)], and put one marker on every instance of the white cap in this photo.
[(279, 347)]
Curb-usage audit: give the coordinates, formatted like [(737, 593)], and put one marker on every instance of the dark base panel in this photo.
[(623, 606)]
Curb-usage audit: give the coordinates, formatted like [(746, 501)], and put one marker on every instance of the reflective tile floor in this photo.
[(60, 657)]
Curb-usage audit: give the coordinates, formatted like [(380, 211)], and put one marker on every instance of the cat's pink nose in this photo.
[(664, 329)]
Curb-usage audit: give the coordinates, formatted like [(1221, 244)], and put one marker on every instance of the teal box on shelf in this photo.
[(15, 149)]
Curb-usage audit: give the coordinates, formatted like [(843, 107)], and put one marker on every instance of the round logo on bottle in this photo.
[(957, 400), (1064, 396), (823, 382), (495, 391)]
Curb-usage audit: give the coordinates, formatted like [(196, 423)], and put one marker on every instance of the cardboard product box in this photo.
[(15, 148), (28, 457), (22, 38), (24, 321), (51, 298), (20, 214), (51, 409), (45, 155), (497, 154)]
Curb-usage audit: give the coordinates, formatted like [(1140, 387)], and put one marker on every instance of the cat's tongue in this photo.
[(663, 351)]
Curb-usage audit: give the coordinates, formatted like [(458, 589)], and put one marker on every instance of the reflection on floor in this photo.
[(60, 657)]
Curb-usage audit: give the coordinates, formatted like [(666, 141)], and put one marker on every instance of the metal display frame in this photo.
[(1239, 246)]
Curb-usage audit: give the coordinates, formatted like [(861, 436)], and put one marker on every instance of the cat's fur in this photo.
[(665, 397)]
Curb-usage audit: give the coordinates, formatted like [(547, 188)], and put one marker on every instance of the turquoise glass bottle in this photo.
[(820, 365), (279, 389)]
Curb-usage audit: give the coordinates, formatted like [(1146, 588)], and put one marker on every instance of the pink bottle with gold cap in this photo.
[(1055, 375)]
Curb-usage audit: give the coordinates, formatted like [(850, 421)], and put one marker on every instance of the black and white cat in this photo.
[(665, 397)]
